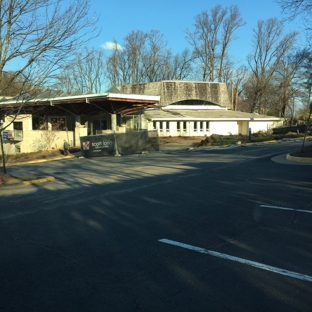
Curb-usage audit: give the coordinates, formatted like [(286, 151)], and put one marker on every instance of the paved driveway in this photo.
[(211, 230)]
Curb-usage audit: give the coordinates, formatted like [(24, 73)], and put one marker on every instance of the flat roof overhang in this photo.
[(112, 103)]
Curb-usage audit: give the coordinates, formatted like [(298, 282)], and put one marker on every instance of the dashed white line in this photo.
[(258, 265), (285, 208)]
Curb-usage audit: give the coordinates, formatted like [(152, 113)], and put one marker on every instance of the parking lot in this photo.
[(214, 230)]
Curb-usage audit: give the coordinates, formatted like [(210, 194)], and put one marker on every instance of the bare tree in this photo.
[(154, 55), (178, 66), (294, 8), (269, 47), (125, 66), (38, 37), (286, 77), (237, 79), (117, 66), (134, 46), (86, 73), (299, 8), (144, 58), (214, 31), (41, 33)]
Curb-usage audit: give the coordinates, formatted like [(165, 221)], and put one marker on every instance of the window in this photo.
[(17, 125), (163, 126), (58, 123), (202, 126), (181, 126), (18, 130)]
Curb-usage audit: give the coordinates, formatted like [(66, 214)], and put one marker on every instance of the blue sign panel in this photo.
[(5, 135)]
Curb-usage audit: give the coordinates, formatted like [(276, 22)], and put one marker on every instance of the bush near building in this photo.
[(216, 139)]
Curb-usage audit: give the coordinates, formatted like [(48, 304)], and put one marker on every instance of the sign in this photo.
[(97, 145), (114, 144), (5, 135), (10, 135)]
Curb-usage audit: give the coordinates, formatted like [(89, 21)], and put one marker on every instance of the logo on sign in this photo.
[(86, 145), (104, 144)]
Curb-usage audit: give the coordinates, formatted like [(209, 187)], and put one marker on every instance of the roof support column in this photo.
[(114, 122), (114, 128)]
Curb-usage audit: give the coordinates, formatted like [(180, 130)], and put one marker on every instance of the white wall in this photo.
[(34, 140), (45, 139), (215, 127), (173, 130), (223, 127), (37, 140), (263, 125)]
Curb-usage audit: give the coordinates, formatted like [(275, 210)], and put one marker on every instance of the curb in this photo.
[(299, 159), (30, 182), (38, 181), (40, 160)]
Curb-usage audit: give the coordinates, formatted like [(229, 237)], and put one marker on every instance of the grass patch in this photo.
[(22, 157)]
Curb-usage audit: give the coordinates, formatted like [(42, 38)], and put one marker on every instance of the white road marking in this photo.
[(258, 265), (285, 208)]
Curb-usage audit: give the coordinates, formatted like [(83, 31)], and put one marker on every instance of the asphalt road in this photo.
[(208, 230)]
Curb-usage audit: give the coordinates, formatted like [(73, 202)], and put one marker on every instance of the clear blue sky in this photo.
[(172, 17)]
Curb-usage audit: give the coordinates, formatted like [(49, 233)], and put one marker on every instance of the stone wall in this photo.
[(172, 91)]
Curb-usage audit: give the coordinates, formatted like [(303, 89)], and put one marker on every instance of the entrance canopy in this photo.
[(80, 104)]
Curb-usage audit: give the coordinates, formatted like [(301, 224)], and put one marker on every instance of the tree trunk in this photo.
[(2, 151)]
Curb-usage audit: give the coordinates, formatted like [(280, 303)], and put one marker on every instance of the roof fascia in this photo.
[(86, 97), (213, 119)]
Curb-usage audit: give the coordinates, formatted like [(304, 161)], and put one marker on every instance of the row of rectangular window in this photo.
[(181, 126)]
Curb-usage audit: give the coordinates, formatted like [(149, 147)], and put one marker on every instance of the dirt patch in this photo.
[(306, 152), (191, 141), (26, 157)]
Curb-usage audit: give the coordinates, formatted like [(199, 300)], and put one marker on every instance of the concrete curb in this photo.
[(30, 182), (40, 160), (299, 159), (39, 180)]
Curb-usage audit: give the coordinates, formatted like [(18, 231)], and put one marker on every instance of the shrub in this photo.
[(260, 136)]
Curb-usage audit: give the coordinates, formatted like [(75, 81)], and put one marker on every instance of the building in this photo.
[(192, 108), (45, 121), (170, 108)]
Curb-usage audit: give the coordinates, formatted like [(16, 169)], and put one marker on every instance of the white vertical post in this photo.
[(114, 122)]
